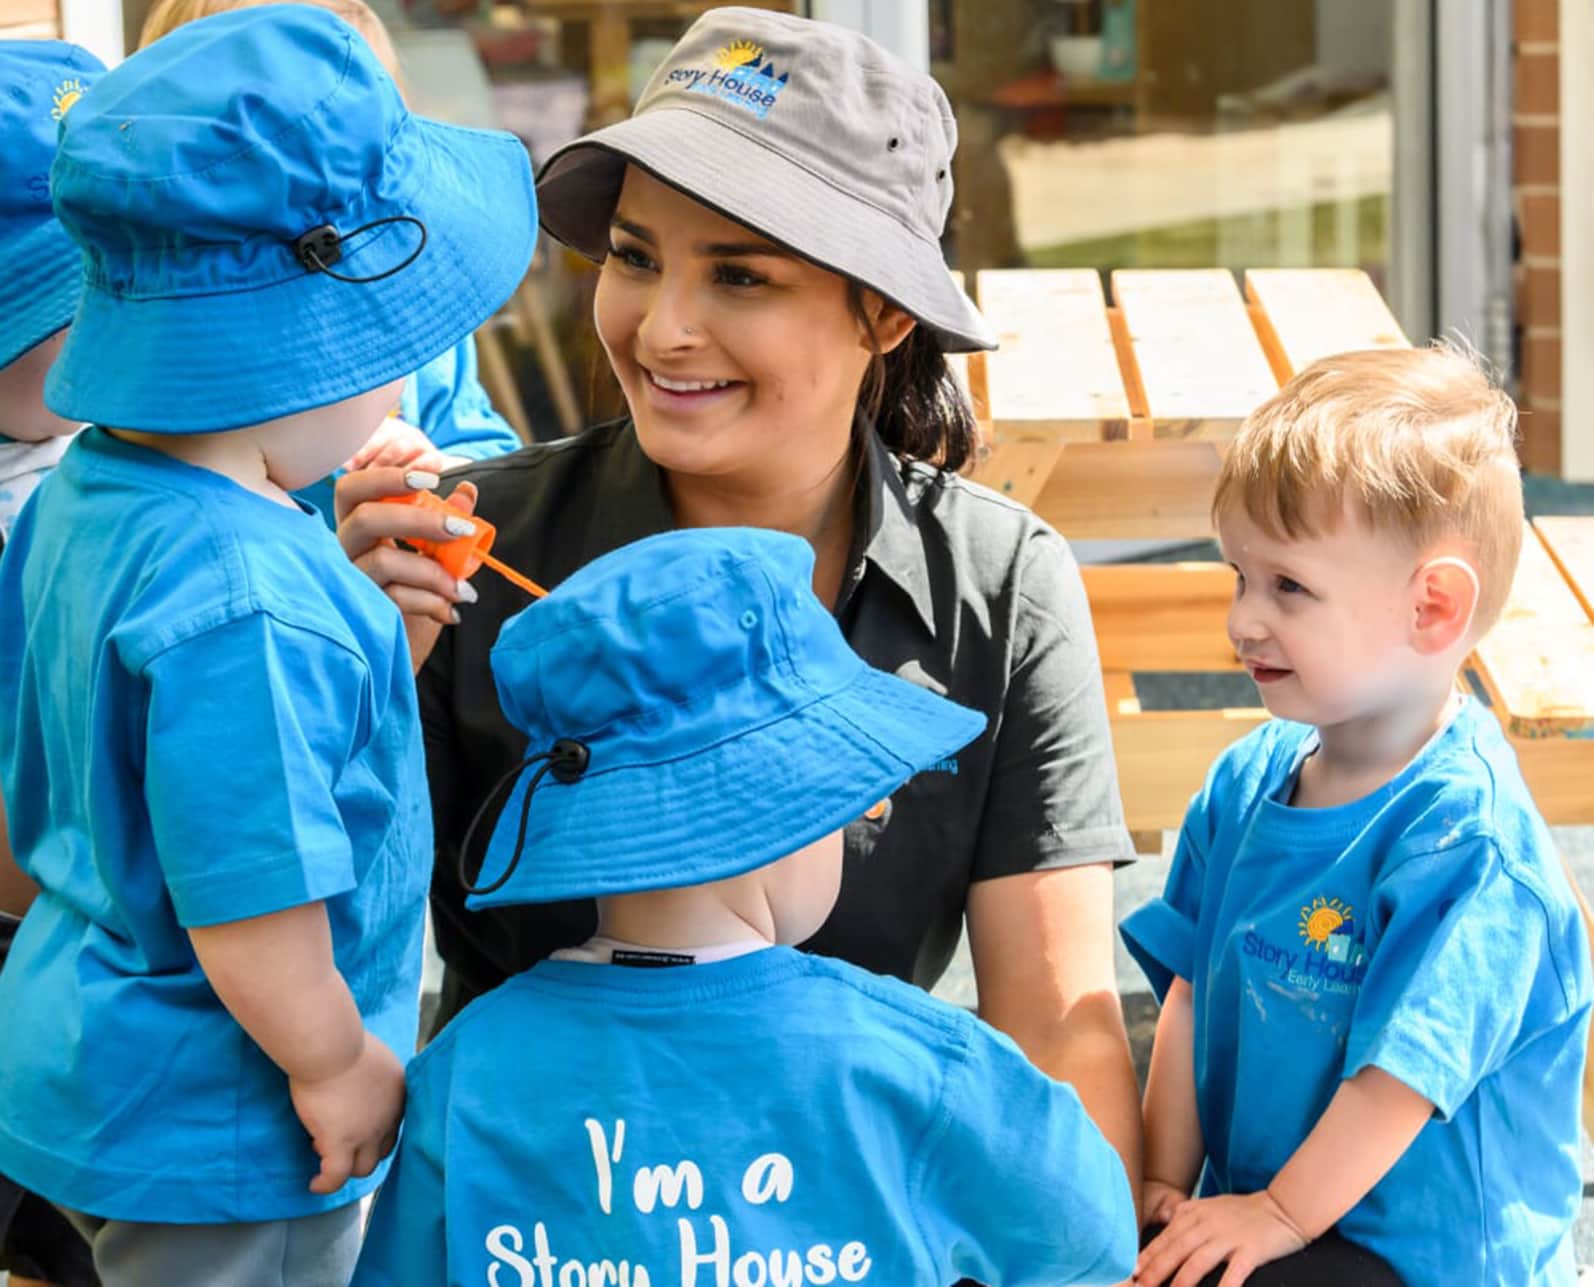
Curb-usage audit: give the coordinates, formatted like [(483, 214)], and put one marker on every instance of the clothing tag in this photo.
[(649, 960)]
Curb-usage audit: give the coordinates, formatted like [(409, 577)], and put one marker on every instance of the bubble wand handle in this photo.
[(461, 556)]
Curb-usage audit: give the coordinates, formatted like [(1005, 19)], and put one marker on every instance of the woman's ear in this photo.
[(888, 323), (1445, 600)]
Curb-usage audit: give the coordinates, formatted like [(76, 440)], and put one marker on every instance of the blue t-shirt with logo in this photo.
[(772, 1118), (209, 716), (1426, 930)]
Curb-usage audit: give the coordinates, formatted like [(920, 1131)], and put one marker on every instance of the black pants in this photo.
[(1328, 1262)]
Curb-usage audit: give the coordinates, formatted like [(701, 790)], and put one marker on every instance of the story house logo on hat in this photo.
[(696, 713), (737, 77), (41, 270), (212, 181)]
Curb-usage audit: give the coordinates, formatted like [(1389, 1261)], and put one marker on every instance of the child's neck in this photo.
[(1357, 757), (234, 454), (697, 916)]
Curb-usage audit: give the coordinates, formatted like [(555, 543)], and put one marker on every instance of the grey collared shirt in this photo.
[(949, 585)]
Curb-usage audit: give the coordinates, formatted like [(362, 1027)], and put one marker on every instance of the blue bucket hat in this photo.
[(697, 714), (266, 228), (40, 270)]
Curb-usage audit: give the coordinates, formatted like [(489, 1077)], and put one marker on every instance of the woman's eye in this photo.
[(732, 275), (630, 256)]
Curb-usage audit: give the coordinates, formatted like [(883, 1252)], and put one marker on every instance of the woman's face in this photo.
[(738, 359)]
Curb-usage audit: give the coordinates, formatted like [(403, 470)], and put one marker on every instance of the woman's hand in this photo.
[(370, 530), (1246, 1231)]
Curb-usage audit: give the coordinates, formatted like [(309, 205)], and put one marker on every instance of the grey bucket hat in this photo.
[(805, 132)]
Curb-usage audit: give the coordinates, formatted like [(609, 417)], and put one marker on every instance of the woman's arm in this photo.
[(1174, 1147), (1043, 962)]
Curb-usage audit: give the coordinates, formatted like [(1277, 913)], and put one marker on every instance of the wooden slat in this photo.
[(1056, 375), (1558, 771), (1163, 757), (45, 30), (1571, 544), (1129, 490), (1162, 616), (1313, 312), (1200, 362), (1538, 661), (1020, 468), (25, 13)]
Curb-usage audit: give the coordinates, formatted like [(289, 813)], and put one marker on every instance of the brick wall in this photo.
[(1536, 202)]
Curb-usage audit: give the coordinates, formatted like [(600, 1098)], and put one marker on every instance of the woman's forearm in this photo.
[(1174, 1147)]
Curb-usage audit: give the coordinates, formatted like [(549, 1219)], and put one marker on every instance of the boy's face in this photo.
[(305, 447), (1324, 624), (23, 415)]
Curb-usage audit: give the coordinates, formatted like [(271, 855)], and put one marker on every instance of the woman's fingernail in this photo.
[(418, 480), (456, 526), (467, 592), (453, 615)]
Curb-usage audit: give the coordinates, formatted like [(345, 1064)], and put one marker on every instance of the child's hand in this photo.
[(1247, 1231), (397, 442), (1158, 1201), (352, 1116)]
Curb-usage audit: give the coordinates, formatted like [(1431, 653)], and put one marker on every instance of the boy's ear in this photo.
[(1445, 599)]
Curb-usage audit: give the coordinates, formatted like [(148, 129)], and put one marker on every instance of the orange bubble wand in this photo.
[(461, 556)]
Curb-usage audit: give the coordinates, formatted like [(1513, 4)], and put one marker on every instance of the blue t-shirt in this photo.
[(773, 1118), (1426, 930), (209, 716), (445, 401)]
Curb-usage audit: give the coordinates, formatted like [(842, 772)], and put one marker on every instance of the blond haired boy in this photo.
[(1375, 984)]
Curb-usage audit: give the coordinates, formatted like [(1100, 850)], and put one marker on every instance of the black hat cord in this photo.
[(567, 761), (321, 247)]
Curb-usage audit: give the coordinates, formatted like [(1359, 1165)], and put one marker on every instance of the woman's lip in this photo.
[(687, 395)]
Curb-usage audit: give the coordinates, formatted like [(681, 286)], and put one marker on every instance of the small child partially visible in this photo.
[(40, 275), (1375, 983), (685, 1098), (211, 755), (444, 417)]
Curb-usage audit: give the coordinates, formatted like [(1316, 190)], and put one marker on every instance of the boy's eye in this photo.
[(736, 275), (1287, 586), (630, 256)]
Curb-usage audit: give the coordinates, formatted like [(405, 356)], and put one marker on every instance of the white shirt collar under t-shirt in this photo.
[(600, 950)]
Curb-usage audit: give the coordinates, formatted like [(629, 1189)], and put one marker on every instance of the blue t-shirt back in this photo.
[(1426, 930), (209, 716), (773, 1118)]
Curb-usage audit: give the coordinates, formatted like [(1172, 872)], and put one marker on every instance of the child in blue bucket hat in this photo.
[(40, 81), (213, 765), (685, 1098)]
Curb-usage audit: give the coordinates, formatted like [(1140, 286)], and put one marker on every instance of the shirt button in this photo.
[(749, 619)]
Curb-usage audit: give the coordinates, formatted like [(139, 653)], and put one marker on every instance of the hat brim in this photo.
[(41, 275), (741, 805), (762, 190), (198, 363)]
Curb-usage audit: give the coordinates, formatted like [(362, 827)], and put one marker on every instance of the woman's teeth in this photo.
[(687, 386)]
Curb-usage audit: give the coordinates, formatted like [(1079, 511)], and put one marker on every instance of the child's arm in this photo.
[(16, 890), (1174, 1147), (276, 976), (1367, 1126)]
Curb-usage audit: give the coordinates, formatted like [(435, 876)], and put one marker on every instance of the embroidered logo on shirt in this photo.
[(741, 76), (66, 93), (1333, 960)]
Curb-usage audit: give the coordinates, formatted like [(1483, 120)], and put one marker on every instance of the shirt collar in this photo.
[(888, 537)]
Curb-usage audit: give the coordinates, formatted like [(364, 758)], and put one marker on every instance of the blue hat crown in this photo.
[(671, 645)]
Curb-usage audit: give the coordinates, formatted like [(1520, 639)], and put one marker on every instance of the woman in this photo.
[(774, 304)]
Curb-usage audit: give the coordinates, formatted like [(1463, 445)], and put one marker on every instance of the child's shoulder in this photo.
[(1255, 765)]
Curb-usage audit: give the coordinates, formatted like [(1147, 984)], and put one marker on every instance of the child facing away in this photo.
[(1375, 984), (685, 1099), (211, 759), (444, 417), (39, 279)]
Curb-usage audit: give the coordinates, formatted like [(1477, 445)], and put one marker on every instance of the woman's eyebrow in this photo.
[(729, 249), (634, 229)]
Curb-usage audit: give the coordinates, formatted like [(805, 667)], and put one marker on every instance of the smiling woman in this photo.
[(775, 305)]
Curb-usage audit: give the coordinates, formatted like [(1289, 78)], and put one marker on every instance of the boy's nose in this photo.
[(1245, 623)]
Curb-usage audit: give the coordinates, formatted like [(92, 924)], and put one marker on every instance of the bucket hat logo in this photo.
[(66, 93), (741, 76)]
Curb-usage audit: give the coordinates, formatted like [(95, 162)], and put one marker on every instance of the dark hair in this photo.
[(916, 406)]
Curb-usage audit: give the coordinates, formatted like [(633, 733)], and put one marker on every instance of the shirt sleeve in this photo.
[(1053, 799), (1463, 973), (445, 401), (1161, 934), (406, 1242), (1018, 1186), (249, 726)]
